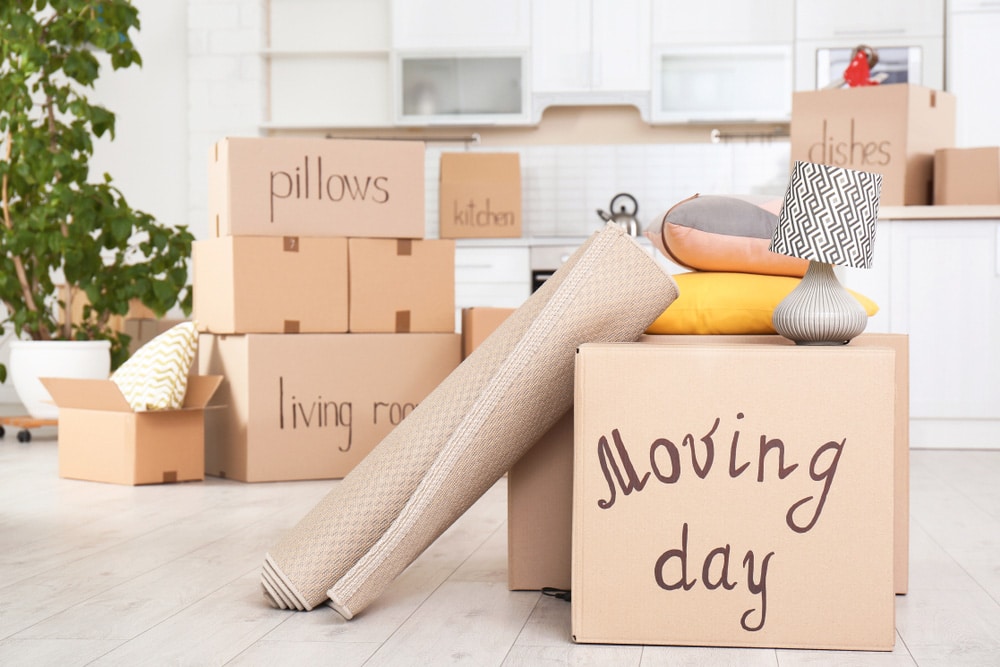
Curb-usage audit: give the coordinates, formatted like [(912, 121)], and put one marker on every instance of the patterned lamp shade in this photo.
[(829, 215)]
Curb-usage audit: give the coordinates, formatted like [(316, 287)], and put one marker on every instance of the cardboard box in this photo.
[(401, 286), (967, 176), (891, 129), (266, 284), (540, 479), (478, 323), (291, 186), (480, 195), (740, 496), (142, 330), (103, 440), (540, 544), (312, 406)]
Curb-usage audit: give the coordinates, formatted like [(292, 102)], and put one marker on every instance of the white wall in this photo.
[(148, 158)]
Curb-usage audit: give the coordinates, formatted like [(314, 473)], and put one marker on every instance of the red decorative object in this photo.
[(858, 72)]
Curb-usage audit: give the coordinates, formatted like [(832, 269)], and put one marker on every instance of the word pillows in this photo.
[(724, 233)]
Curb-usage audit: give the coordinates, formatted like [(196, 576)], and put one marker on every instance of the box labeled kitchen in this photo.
[(965, 176), (543, 478), (290, 186), (102, 439), (737, 498), (402, 285), (311, 406), (267, 284), (891, 130), (480, 195)]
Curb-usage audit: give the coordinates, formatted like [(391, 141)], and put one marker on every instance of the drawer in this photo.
[(487, 265)]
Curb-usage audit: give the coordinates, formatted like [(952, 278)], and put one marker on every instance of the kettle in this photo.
[(623, 216)]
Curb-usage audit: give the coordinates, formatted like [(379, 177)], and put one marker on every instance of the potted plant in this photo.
[(61, 224)]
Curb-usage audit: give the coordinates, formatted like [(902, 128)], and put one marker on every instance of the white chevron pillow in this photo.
[(155, 377)]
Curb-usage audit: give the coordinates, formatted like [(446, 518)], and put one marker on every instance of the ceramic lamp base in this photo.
[(819, 311)]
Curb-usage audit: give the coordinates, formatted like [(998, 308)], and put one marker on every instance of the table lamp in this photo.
[(828, 217)]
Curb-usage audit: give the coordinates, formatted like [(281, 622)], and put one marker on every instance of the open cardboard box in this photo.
[(102, 439)]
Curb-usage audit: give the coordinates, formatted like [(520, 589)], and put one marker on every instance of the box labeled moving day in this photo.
[(542, 478), (102, 439), (402, 285), (740, 496), (269, 284), (311, 406), (291, 186), (890, 129), (965, 176), (480, 195), (478, 323)]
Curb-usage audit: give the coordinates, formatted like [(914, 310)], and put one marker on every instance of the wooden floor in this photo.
[(98, 574)]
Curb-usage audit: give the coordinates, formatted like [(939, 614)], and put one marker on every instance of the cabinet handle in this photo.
[(847, 32)]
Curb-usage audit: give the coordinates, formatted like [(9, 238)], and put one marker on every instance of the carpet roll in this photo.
[(470, 430)]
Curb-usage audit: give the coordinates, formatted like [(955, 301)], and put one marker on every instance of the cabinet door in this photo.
[(622, 37), (601, 45), (725, 22), (970, 35), (946, 296), (864, 19), (458, 24), (560, 45)]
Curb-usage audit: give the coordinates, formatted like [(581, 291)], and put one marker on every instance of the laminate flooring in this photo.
[(100, 574)]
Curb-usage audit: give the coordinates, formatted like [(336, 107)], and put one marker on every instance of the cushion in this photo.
[(729, 303), (155, 377), (724, 233), (467, 432)]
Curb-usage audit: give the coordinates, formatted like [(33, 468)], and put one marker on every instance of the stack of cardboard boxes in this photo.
[(322, 305)]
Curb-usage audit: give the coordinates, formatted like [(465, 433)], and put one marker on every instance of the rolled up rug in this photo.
[(463, 436)]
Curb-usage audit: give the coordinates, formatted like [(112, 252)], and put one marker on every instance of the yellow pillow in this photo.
[(713, 302), (155, 377)]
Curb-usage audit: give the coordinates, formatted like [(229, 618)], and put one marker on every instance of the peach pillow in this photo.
[(724, 233)]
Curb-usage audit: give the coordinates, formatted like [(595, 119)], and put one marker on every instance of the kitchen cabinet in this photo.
[(460, 88), (460, 63), (489, 274), (722, 22), (938, 280), (720, 60), (590, 52), (973, 27), (908, 34), (447, 25), (328, 64)]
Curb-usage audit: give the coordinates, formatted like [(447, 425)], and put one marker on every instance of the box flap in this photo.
[(86, 394), (200, 390)]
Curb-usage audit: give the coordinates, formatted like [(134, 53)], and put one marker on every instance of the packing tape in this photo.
[(404, 247), (290, 244), (402, 321), (291, 326)]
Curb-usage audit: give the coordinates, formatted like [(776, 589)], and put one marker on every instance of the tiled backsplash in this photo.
[(563, 186)]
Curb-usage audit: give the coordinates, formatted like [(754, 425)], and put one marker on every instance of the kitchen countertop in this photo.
[(886, 213), (938, 212)]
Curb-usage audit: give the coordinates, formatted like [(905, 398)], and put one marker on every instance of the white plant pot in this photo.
[(33, 359)]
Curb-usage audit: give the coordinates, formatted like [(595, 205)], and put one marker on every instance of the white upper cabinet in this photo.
[(590, 52), (722, 22), (451, 25), (460, 63), (972, 31), (721, 60), (825, 19), (907, 34)]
